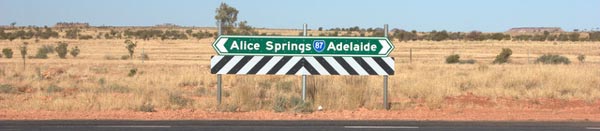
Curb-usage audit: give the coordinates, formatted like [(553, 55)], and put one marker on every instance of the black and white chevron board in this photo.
[(301, 65)]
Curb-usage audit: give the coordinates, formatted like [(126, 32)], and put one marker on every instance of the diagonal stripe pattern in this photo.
[(298, 65)]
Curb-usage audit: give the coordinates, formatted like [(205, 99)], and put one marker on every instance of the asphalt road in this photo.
[(228, 125)]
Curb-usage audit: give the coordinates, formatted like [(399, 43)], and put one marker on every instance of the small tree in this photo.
[(75, 51), (61, 49), (23, 49), (226, 16), (130, 45), (245, 29), (7, 52), (503, 56)]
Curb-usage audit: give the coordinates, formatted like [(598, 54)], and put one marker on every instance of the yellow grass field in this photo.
[(177, 77)]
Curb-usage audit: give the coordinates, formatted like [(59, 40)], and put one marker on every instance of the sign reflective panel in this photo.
[(303, 46)]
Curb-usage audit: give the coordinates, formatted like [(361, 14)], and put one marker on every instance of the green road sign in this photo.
[(303, 46)]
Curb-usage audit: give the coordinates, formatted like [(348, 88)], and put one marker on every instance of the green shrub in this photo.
[(299, 105), (146, 107), (178, 99), (280, 104), (503, 56), (552, 59), (228, 108), (304, 107), (85, 37), (61, 49), (48, 48), (124, 57), (132, 72), (469, 61), (201, 91), (7, 52), (109, 57), (451, 59), (581, 58), (116, 88), (262, 94), (75, 51), (42, 53), (284, 86), (295, 101), (226, 93), (6, 88), (72, 33), (113, 88), (53, 88), (265, 84), (102, 82), (189, 83)]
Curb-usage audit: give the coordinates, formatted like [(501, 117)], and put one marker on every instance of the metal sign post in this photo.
[(385, 77), (219, 84), (304, 75)]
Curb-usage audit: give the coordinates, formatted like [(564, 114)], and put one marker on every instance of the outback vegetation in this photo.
[(530, 68)]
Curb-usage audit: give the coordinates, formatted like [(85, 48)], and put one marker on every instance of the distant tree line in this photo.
[(28, 33), (403, 35), (434, 35), (165, 35), (242, 28), (75, 33)]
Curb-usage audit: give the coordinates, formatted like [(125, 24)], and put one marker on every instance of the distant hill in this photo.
[(520, 30), (71, 25)]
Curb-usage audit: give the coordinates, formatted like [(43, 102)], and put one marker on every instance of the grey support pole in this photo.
[(304, 76), (219, 83), (304, 30), (385, 92), (385, 77), (219, 27)]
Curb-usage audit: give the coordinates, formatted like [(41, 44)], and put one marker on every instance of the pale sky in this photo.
[(421, 15)]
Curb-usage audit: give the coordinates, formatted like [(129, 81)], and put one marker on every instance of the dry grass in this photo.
[(177, 77)]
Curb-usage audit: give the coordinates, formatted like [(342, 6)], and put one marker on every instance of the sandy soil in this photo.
[(460, 108), (476, 114)]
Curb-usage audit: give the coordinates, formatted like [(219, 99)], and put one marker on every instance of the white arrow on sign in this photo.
[(385, 47), (221, 45)]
